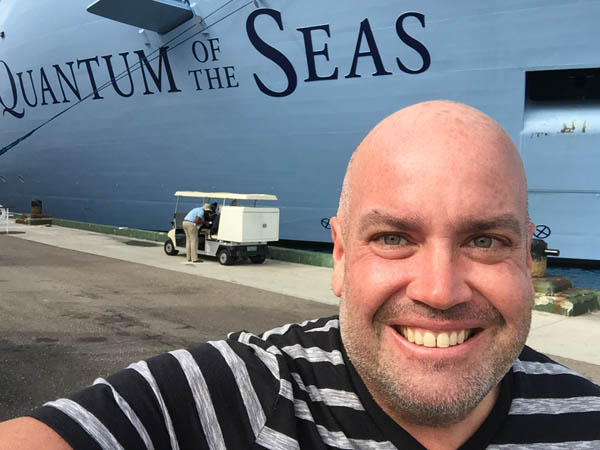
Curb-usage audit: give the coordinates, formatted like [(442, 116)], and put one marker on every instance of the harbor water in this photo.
[(584, 278)]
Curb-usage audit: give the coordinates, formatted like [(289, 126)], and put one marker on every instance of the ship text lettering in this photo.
[(365, 38), (40, 88)]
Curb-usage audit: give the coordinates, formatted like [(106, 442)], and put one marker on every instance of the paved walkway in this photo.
[(573, 338), (68, 317)]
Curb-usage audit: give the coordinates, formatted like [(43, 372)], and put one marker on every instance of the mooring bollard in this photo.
[(36, 208), (539, 256)]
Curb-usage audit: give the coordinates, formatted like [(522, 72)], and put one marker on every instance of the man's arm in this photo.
[(26, 433)]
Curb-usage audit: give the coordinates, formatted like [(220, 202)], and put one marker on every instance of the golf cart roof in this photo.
[(225, 195)]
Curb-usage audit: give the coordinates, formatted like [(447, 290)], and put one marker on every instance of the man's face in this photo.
[(434, 273)]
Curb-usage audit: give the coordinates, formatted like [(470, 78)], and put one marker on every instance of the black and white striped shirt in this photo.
[(294, 387)]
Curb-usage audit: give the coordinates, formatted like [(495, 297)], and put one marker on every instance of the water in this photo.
[(584, 278)]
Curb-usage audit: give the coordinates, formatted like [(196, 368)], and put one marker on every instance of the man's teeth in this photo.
[(431, 339)]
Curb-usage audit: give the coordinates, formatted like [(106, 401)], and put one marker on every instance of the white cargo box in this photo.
[(248, 224)]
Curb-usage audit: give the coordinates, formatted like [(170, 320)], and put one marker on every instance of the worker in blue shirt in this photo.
[(191, 222)]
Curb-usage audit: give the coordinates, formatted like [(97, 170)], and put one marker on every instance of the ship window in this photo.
[(570, 85)]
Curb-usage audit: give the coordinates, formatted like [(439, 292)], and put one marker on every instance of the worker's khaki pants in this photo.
[(191, 240)]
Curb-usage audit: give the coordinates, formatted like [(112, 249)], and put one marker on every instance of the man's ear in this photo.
[(337, 279), (530, 230)]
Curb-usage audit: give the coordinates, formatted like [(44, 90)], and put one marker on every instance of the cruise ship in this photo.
[(109, 108)]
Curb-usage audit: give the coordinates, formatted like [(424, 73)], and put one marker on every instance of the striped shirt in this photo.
[(293, 387)]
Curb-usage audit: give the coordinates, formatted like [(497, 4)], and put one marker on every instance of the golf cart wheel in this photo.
[(258, 259), (224, 257), (170, 248)]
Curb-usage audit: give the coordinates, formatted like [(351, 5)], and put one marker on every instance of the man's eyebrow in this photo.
[(378, 218), (501, 222)]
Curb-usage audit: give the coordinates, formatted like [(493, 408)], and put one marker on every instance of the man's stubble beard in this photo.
[(443, 404)]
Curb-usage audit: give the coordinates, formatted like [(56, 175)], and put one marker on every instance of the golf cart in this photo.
[(242, 231)]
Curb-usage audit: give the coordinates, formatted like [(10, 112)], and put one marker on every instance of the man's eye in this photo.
[(393, 239), (483, 242)]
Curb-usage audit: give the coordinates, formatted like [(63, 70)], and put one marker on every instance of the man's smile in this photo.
[(430, 338)]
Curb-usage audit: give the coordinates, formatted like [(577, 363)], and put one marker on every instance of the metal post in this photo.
[(4, 211)]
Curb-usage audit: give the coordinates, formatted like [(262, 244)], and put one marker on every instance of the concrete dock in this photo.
[(76, 305)]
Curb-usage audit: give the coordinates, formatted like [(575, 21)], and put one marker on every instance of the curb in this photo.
[(156, 236), (300, 256), (279, 253)]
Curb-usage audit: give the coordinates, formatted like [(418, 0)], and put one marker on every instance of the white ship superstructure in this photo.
[(103, 118)]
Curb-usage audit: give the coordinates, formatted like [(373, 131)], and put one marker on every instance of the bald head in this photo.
[(442, 136), (433, 223)]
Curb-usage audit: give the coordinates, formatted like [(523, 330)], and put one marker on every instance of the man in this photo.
[(432, 266), (191, 222), (210, 217)]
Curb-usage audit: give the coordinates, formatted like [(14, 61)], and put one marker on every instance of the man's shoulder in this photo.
[(311, 348), (550, 405), (539, 376), (237, 382), (311, 336)]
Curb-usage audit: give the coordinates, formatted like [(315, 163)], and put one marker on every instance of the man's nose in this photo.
[(439, 279)]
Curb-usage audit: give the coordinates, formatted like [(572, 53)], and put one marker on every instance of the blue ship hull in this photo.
[(274, 96)]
